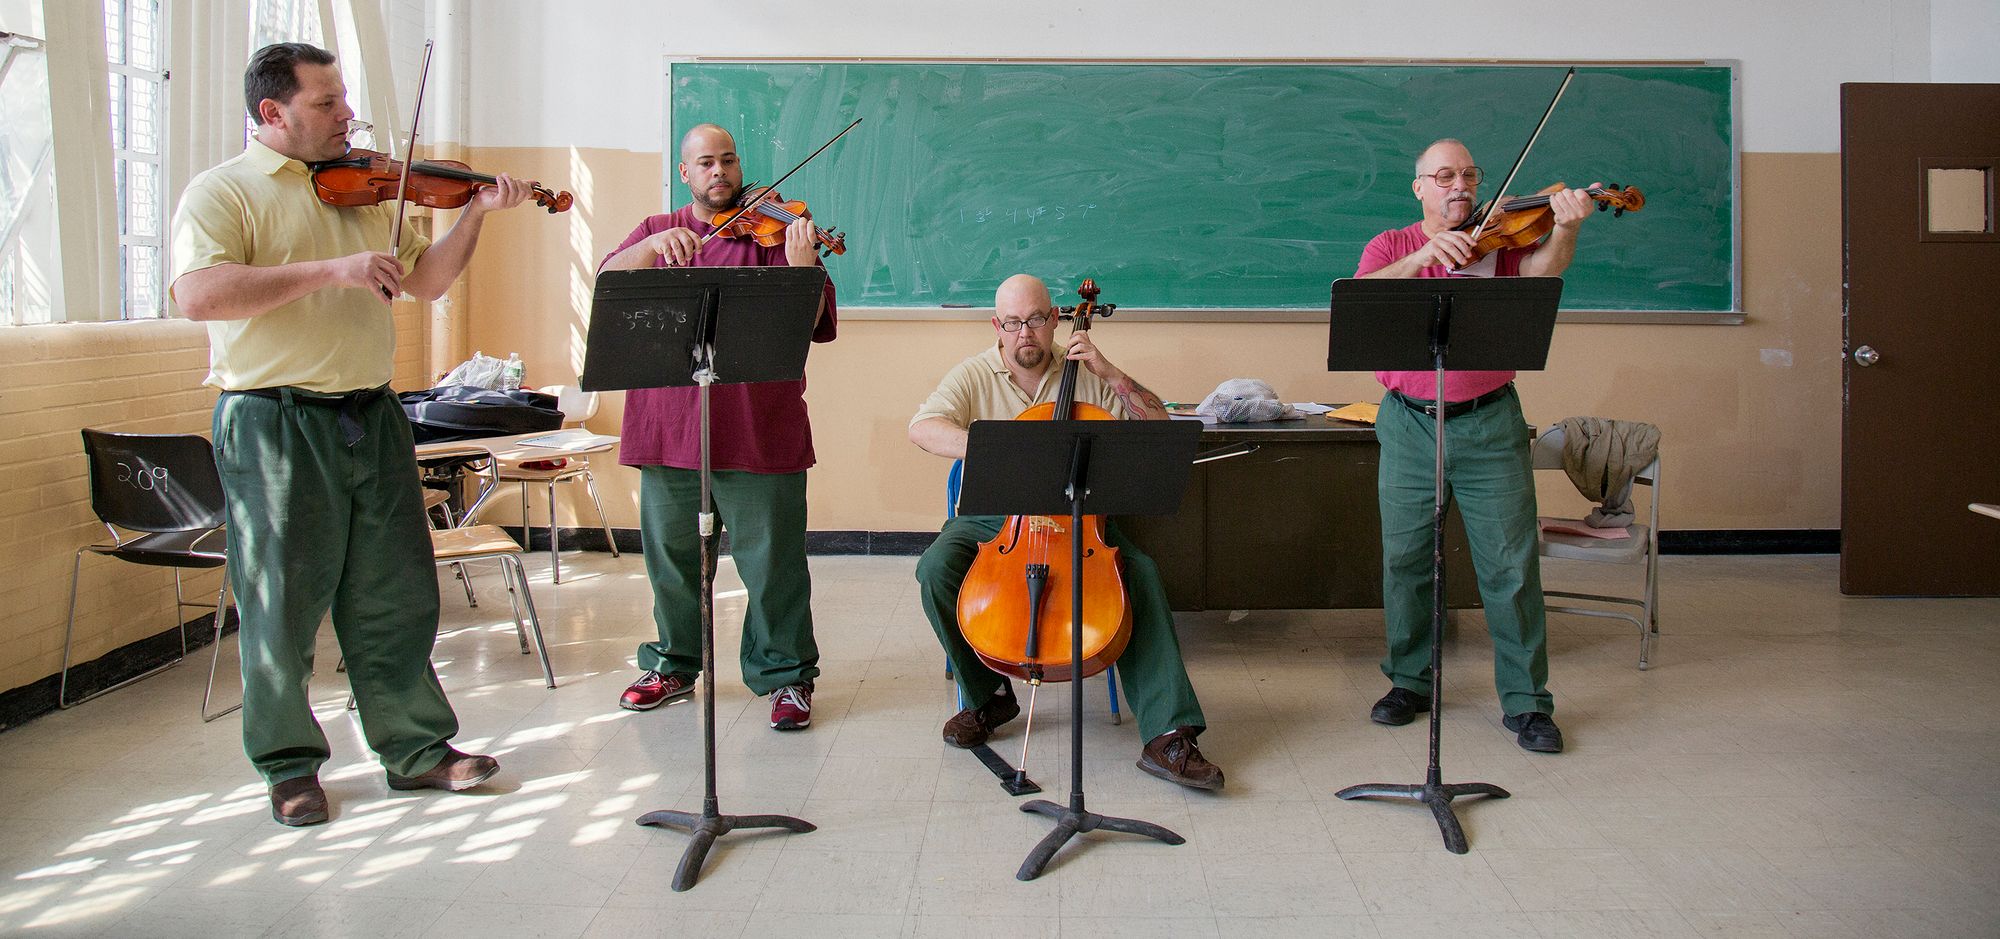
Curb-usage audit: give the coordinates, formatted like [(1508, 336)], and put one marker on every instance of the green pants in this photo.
[(1154, 677), (1489, 474), (316, 524), (765, 515)]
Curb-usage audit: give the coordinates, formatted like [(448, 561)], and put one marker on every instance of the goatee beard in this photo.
[(724, 206), (1030, 356)]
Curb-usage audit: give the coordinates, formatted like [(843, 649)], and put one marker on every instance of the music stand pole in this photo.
[(1511, 332), (1074, 819), (710, 824)]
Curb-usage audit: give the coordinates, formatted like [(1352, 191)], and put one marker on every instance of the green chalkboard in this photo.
[(1214, 187)]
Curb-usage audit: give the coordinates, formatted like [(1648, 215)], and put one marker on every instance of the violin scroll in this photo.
[(1618, 198), (1080, 314)]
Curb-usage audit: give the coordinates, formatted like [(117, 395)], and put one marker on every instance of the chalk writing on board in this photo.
[(1028, 215)]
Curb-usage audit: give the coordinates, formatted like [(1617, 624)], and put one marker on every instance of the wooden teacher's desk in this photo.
[(1293, 525)]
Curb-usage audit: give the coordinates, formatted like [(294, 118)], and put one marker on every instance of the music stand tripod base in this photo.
[(706, 828), (1435, 794)]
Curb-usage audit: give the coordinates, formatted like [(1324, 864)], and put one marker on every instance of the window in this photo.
[(134, 36), (27, 202)]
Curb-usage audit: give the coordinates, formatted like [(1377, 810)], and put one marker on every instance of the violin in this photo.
[(1522, 222), (368, 177), (766, 219), (1004, 606)]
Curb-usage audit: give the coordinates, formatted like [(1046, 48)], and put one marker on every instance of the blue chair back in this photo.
[(952, 481)]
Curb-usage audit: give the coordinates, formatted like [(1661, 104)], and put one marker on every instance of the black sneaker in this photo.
[(1535, 731), (1400, 706)]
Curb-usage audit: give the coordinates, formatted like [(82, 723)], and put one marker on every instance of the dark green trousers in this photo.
[(1155, 679), (765, 515), (1488, 472), (317, 524)]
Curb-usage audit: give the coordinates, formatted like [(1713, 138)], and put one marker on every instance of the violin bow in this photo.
[(409, 159), (772, 188), (1509, 181)]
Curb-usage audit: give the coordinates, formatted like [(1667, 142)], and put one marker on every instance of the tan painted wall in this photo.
[(1750, 414)]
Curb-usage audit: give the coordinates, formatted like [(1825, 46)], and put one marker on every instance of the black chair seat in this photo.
[(172, 549)]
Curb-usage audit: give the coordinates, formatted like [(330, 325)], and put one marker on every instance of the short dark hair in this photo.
[(273, 73)]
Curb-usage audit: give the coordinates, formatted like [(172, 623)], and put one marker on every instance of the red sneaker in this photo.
[(654, 689), (792, 706)]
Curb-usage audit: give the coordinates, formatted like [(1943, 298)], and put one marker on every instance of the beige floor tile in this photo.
[(1783, 770)]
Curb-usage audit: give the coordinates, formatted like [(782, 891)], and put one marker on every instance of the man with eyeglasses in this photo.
[(1489, 473), (1021, 370)]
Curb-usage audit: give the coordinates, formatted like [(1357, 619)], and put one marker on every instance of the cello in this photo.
[(1004, 604)]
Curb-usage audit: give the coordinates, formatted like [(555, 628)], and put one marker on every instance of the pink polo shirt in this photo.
[(756, 426), (1391, 246)]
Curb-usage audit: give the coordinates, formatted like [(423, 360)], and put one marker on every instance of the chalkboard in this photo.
[(1213, 186)]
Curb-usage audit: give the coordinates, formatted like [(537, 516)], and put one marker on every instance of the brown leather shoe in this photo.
[(456, 772), (298, 801), (1172, 756), (970, 728)]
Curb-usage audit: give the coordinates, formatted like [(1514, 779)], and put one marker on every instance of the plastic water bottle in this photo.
[(510, 374)]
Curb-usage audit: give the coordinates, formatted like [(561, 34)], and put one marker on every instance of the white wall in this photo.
[(1965, 41), (545, 80)]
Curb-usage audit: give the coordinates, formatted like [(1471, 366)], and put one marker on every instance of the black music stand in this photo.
[(1079, 468), (674, 327), (1407, 325)]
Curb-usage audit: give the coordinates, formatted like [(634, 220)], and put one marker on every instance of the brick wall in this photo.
[(140, 377)]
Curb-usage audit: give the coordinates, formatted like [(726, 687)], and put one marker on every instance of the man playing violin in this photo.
[(1489, 473), (1020, 371), (325, 510), (761, 446)]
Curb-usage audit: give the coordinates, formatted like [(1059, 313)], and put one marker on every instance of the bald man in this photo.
[(760, 448), (1023, 369)]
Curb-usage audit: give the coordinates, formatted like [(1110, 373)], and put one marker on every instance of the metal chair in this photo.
[(577, 406), (1642, 547), (489, 542), (165, 486), (952, 483)]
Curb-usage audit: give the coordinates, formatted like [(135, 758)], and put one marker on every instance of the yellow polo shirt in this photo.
[(980, 389), (259, 209)]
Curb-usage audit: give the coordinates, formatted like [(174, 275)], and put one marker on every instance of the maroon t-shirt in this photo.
[(756, 426)]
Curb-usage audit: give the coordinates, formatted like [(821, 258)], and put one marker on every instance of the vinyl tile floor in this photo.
[(1795, 764)]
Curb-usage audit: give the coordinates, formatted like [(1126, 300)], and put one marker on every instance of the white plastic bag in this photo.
[(1241, 400), (480, 371)]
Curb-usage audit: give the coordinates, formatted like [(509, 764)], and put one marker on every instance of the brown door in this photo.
[(1921, 425)]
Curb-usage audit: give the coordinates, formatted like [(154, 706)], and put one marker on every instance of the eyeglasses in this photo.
[(1036, 321), (1446, 177)]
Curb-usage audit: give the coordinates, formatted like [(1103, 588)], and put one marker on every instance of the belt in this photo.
[(1452, 408), (349, 404)]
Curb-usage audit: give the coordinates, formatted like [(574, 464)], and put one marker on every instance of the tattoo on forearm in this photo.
[(1137, 398)]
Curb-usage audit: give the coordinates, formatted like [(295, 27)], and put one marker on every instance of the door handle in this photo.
[(1866, 356)]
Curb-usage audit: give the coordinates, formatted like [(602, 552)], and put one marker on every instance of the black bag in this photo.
[(462, 412)]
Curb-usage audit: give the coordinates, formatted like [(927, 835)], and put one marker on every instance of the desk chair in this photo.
[(1643, 547), (953, 481), (577, 406), (166, 486)]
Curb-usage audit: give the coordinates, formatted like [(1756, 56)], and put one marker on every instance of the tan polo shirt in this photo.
[(258, 209), (980, 389)]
